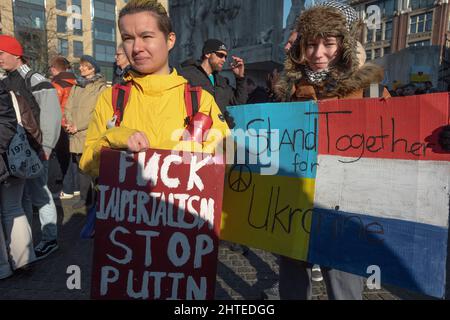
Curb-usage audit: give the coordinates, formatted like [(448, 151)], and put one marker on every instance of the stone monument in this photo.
[(296, 9), (252, 30)]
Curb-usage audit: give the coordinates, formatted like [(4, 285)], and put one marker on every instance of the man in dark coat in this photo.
[(205, 73)]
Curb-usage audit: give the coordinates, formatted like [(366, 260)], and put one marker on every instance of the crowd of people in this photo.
[(71, 118), (411, 89)]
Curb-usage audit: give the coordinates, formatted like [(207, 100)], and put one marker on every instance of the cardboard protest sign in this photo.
[(360, 183), (157, 227)]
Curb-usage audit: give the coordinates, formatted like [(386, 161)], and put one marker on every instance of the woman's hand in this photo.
[(138, 142), (71, 128)]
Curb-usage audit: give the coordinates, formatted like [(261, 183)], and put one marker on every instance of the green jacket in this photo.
[(79, 109)]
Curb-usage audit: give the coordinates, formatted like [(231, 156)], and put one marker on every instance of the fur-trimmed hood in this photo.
[(346, 76)]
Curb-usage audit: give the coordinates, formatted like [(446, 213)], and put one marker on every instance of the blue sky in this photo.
[(287, 7)]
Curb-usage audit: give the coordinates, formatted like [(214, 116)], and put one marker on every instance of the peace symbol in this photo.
[(237, 181)]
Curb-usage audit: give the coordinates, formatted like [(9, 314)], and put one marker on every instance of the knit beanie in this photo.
[(10, 45), (213, 45), (92, 61)]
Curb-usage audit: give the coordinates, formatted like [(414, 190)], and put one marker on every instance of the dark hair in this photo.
[(60, 63), (154, 8)]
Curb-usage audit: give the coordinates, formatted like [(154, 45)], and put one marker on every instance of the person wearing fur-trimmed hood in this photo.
[(346, 76), (325, 62)]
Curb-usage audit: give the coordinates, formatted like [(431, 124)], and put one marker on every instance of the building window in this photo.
[(421, 43), (429, 21), (378, 34), (421, 23), (377, 53), (77, 49), (34, 43), (386, 50), (104, 31), (107, 71), (61, 5), (105, 10), (104, 52), (61, 24), (63, 47), (29, 16), (77, 3), (421, 4), (369, 36), (387, 7), (368, 54), (77, 27), (388, 30), (36, 2)]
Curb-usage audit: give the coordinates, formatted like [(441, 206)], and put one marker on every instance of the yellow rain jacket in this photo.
[(156, 106)]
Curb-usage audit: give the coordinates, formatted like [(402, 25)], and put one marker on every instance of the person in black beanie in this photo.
[(205, 73)]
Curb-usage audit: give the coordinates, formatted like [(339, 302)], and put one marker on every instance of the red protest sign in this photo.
[(397, 128), (157, 226)]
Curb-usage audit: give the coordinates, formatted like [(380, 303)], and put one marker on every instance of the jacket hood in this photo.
[(98, 78), (348, 74), (152, 84), (66, 76)]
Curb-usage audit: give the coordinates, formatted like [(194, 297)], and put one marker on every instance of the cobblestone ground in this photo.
[(238, 276)]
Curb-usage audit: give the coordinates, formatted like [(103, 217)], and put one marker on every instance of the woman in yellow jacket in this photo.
[(155, 114)]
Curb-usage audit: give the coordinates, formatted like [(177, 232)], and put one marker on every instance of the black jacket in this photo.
[(259, 95), (224, 94), (8, 125)]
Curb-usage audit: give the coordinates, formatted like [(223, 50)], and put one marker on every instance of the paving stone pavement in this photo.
[(239, 276)]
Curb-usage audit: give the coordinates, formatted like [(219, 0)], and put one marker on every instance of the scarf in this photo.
[(316, 77), (83, 82)]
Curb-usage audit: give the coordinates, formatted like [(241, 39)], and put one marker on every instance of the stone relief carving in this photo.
[(238, 23), (225, 11), (265, 36), (297, 7), (202, 20)]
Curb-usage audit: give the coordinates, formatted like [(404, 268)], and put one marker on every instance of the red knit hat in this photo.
[(11, 45)]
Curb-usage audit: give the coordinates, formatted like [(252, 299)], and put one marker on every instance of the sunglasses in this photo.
[(221, 55)]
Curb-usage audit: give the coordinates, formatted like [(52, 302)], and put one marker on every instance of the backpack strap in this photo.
[(28, 77), (192, 97), (120, 95)]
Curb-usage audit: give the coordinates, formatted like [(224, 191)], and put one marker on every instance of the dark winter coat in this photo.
[(8, 125), (259, 95), (224, 94), (42, 98)]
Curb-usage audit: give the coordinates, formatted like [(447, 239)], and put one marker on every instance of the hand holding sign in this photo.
[(138, 142)]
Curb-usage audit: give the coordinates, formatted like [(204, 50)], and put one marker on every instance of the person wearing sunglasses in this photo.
[(205, 73)]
